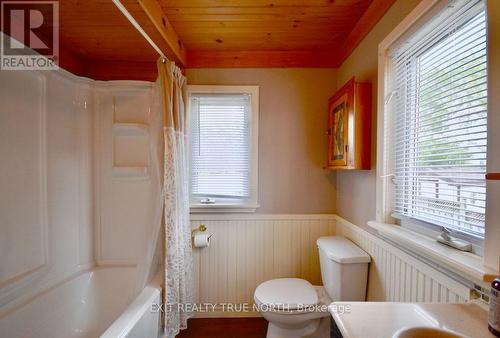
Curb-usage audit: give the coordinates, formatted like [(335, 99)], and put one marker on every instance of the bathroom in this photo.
[(249, 168)]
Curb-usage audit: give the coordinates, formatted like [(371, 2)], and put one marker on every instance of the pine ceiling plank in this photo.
[(264, 38), (257, 43), (258, 3), (269, 59), (304, 10), (260, 17), (312, 32), (254, 46), (273, 24)]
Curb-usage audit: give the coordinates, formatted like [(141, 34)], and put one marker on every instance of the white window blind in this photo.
[(440, 107), (220, 146)]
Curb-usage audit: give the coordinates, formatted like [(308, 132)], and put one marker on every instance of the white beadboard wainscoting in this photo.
[(247, 249)]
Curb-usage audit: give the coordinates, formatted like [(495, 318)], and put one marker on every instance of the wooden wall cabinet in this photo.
[(349, 127)]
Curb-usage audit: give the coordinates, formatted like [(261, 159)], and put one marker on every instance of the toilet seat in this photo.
[(286, 294)]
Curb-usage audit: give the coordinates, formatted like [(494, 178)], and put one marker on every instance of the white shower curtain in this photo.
[(179, 280)]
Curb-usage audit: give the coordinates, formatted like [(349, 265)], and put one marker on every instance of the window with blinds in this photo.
[(221, 148), (440, 108)]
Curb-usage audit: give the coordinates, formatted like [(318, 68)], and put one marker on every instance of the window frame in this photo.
[(385, 120), (227, 206)]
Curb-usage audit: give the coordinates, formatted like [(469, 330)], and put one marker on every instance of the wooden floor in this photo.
[(225, 328)]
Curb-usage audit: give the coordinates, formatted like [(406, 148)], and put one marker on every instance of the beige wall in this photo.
[(292, 122), (356, 189)]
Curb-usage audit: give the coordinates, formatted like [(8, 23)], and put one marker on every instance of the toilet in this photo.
[(295, 308)]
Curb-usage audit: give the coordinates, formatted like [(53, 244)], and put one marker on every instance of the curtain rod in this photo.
[(134, 23)]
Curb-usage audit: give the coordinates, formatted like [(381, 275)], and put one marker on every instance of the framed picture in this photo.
[(340, 109)]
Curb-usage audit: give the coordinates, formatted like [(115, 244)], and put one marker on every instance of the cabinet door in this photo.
[(340, 107)]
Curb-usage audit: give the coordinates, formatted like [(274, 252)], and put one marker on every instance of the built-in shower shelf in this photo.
[(133, 129), (123, 172)]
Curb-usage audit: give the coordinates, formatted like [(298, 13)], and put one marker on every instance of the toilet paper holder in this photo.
[(200, 228)]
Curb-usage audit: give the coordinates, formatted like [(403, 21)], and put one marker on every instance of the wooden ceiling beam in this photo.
[(365, 24), (261, 59), (155, 23)]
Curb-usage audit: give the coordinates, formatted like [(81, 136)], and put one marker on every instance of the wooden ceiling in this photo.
[(98, 41), (272, 33), (263, 24)]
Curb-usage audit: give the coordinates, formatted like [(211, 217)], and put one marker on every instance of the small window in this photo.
[(223, 139), (440, 123)]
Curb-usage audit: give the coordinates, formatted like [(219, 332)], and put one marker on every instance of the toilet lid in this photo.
[(342, 250), (288, 293)]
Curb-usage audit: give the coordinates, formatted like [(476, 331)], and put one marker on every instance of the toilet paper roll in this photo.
[(202, 240)]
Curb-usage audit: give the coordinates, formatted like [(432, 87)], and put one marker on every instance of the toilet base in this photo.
[(317, 328)]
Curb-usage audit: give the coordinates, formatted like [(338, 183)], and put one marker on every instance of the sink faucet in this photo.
[(445, 233)]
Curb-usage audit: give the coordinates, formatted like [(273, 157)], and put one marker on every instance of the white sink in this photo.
[(426, 332)]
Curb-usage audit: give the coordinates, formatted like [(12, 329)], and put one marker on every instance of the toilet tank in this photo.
[(344, 268)]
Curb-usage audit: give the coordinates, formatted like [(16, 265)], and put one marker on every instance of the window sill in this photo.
[(222, 208), (456, 260)]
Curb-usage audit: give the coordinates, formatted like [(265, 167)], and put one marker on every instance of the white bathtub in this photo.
[(98, 302)]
